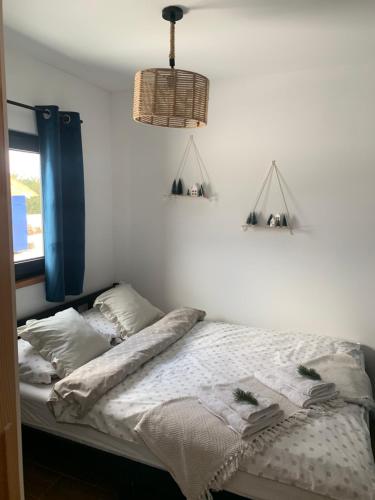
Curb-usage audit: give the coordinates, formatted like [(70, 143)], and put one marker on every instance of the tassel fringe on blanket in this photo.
[(201, 452), (264, 439)]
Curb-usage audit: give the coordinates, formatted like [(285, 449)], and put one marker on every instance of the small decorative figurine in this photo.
[(277, 220), (271, 221), (194, 190), (284, 221), (255, 220), (252, 219), (177, 187)]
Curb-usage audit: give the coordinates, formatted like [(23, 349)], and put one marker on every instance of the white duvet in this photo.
[(330, 456)]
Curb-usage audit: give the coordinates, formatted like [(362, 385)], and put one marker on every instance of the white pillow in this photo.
[(127, 309), (103, 325), (65, 339), (32, 368)]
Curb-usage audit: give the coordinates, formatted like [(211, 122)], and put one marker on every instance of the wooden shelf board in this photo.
[(186, 196), (264, 226), (245, 227)]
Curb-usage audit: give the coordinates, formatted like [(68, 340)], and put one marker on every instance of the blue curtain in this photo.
[(63, 201)]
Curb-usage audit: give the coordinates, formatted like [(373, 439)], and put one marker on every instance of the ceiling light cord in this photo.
[(172, 44)]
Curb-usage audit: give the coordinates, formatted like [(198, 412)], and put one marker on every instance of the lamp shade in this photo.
[(170, 98)]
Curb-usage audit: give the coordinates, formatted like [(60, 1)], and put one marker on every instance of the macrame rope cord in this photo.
[(172, 44), (263, 186), (201, 165), (282, 193), (203, 180), (183, 160)]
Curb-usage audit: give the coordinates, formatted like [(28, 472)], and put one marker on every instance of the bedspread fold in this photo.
[(74, 395)]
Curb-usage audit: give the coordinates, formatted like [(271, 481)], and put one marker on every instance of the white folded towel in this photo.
[(349, 376), (301, 390), (243, 418), (250, 413)]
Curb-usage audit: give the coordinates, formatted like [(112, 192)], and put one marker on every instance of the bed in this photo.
[(330, 457)]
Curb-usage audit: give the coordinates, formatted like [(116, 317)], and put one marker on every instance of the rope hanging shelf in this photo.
[(199, 190), (278, 221)]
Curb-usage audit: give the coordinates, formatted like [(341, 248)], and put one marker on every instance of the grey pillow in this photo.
[(128, 310), (66, 339)]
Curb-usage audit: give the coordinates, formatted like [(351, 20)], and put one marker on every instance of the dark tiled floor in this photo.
[(42, 483), (56, 469)]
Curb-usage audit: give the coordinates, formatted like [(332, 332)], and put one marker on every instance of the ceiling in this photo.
[(105, 42)]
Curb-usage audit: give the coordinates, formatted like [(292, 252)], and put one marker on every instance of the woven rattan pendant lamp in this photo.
[(169, 97)]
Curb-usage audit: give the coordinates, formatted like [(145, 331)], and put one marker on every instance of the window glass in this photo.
[(26, 192)]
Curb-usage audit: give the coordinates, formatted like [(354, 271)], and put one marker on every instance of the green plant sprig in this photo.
[(309, 373), (245, 397)]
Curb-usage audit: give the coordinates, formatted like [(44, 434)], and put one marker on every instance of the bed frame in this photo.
[(80, 304), (130, 480)]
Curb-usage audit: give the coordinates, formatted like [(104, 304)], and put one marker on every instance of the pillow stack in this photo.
[(57, 345), (66, 340)]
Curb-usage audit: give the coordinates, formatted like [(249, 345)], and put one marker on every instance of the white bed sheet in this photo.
[(35, 413), (330, 456)]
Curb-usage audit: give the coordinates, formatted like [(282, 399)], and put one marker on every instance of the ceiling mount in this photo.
[(172, 13)]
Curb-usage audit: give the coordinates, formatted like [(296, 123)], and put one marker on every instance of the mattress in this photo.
[(35, 414)]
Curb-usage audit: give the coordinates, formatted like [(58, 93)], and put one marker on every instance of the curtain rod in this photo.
[(26, 106)]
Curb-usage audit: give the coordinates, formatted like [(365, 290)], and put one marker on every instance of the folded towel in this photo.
[(251, 413), (301, 390), (350, 378), (216, 402)]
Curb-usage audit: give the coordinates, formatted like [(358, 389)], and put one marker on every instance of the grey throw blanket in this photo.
[(199, 450), (74, 395)]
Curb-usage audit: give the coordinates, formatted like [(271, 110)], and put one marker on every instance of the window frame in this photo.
[(22, 141)]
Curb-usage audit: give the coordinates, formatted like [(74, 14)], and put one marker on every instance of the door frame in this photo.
[(11, 476)]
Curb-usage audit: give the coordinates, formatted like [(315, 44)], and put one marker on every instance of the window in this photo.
[(26, 194)]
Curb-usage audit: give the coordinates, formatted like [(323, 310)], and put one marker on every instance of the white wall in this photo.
[(33, 82), (318, 125)]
